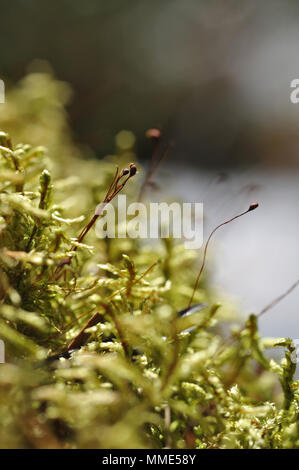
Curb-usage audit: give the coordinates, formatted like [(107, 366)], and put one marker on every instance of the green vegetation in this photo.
[(132, 371)]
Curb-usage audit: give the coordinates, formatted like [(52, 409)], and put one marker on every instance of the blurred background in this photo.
[(215, 77)]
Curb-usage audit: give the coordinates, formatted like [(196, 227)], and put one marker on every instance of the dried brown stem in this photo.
[(82, 337), (155, 162), (272, 304), (278, 299), (251, 208), (114, 188)]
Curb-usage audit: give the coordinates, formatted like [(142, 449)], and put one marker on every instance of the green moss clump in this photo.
[(138, 375)]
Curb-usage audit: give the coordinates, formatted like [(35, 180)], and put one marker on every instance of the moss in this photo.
[(101, 355)]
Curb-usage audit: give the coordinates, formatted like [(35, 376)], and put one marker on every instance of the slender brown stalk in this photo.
[(79, 340), (68, 326), (82, 337), (115, 187), (251, 208), (272, 304), (155, 161), (278, 299), (123, 289)]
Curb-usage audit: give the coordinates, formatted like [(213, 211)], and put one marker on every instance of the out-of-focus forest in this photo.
[(213, 75)]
